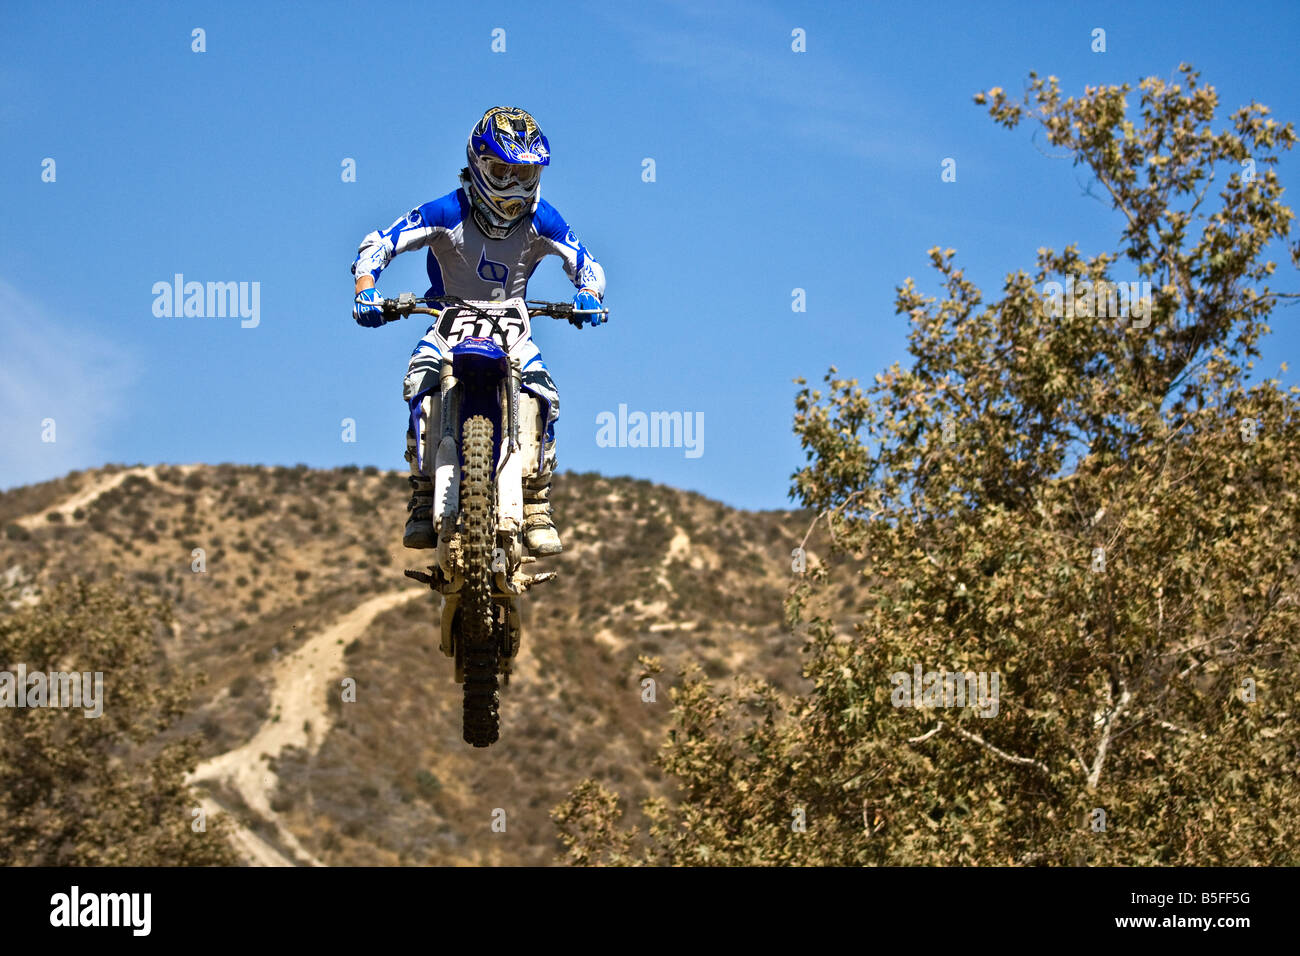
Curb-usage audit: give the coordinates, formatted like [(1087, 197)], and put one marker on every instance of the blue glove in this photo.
[(586, 299), (366, 310)]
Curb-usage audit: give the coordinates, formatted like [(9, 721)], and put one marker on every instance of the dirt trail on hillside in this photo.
[(298, 702), (252, 849), (87, 496)]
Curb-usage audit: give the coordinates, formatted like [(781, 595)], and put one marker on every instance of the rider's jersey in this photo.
[(464, 262)]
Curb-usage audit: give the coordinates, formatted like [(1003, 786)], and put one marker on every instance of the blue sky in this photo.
[(775, 170)]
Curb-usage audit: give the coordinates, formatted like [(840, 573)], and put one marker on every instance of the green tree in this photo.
[(1102, 511), (88, 791)]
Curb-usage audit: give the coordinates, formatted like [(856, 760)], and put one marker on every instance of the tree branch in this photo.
[(976, 738), (1107, 721)]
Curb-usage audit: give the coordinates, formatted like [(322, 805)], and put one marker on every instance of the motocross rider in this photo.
[(485, 239)]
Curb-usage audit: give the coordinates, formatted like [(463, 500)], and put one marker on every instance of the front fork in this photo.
[(508, 557), (508, 479)]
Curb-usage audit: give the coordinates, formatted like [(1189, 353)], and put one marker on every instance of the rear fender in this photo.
[(447, 643)]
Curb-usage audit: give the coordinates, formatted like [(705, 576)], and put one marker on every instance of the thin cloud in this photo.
[(52, 369), (831, 105)]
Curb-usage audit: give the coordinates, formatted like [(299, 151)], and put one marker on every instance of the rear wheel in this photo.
[(481, 649)]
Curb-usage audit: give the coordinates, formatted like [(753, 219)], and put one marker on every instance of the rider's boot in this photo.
[(419, 526), (539, 530)]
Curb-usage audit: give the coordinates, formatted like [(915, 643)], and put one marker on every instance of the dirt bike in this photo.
[(484, 451)]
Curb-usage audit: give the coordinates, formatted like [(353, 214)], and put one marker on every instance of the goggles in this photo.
[(500, 173)]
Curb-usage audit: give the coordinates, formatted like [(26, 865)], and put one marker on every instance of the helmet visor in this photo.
[(504, 174)]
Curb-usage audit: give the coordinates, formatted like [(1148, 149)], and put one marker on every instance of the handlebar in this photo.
[(407, 303)]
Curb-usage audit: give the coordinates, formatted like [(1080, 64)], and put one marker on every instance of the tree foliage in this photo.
[(87, 791), (977, 488)]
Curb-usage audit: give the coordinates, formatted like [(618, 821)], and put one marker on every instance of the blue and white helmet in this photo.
[(506, 152)]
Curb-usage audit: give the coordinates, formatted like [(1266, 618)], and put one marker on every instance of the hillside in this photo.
[(303, 586)]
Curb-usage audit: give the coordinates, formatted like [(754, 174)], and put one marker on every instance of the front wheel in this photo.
[(481, 650)]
